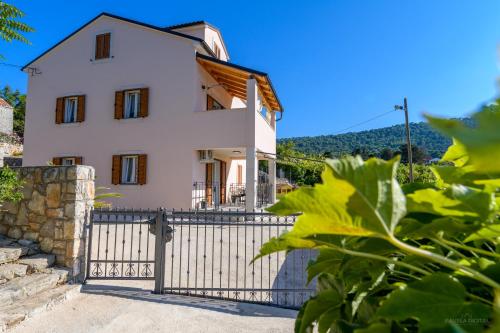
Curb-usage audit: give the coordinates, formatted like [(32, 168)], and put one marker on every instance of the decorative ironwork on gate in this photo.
[(121, 245), (205, 253)]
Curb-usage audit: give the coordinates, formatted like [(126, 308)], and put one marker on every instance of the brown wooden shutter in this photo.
[(210, 102), (102, 46), (80, 113), (60, 110), (142, 169), (223, 175), (208, 182), (78, 160), (57, 161), (119, 95), (99, 41), (106, 46), (116, 171), (143, 111)]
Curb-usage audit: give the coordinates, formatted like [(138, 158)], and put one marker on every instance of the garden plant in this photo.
[(419, 257)]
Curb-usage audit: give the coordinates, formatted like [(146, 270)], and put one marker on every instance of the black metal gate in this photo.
[(200, 253)]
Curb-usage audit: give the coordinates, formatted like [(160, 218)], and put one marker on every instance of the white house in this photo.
[(160, 113), (6, 117)]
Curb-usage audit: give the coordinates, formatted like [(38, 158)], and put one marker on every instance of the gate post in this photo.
[(160, 243)]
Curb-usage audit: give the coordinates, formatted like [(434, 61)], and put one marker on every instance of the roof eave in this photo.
[(146, 25)]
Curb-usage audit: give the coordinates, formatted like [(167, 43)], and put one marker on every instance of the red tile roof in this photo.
[(4, 104)]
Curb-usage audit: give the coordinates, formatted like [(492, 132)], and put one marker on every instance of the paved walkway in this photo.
[(104, 308)]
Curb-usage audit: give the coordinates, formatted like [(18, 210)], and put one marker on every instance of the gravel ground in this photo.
[(104, 308)]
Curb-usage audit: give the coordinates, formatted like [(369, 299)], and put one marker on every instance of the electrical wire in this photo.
[(363, 122), (10, 65)]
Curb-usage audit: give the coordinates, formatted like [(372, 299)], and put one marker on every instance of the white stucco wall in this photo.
[(175, 128), (6, 119)]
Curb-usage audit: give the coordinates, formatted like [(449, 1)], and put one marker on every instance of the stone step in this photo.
[(13, 314), (38, 262), (12, 253), (27, 286), (10, 271)]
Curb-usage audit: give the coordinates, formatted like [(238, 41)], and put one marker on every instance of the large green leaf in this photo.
[(481, 142), (487, 232), (456, 154), (356, 199), (456, 201), (324, 307), (435, 301)]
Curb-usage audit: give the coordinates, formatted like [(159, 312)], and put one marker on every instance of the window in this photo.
[(102, 46), (212, 104), (70, 109), (132, 100), (129, 170), (68, 161), (132, 103)]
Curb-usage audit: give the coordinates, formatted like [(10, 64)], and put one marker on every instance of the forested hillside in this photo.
[(373, 141)]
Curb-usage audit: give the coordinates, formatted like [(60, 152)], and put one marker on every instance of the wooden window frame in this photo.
[(143, 103), (102, 46), (136, 176), (61, 109), (78, 160), (140, 172), (138, 103)]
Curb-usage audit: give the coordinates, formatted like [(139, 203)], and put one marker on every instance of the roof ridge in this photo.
[(185, 25), (4, 103)]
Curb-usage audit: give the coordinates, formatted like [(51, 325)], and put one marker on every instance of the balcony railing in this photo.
[(208, 195)]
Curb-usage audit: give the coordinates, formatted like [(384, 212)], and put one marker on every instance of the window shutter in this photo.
[(80, 113), (57, 161), (142, 168), (116, 170), (106, 46), (119, 95), (78, 160), (143, 111), (208, 182), (60, 110), (210, 102), (99, 39)]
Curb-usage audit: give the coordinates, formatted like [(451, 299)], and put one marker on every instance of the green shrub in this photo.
[(10, 186), (421, 257)]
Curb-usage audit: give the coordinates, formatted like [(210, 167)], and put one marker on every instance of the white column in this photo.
[(272, 178), (252, 169), (252, 166)]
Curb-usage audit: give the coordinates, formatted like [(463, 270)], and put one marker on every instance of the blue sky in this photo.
[(333, 63)]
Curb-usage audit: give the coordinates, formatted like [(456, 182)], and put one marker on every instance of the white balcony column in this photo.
[(272, 178), (273, 120), (252, 169), (252, 166)]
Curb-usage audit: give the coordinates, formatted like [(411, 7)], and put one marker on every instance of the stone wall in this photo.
[(57, 200)]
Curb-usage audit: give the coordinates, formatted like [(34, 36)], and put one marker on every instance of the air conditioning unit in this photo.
[(206, 156)]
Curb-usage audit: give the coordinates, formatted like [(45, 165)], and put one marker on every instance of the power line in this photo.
[(10, 65), (363, 122)]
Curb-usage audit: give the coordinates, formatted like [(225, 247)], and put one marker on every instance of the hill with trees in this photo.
[(374, 142)]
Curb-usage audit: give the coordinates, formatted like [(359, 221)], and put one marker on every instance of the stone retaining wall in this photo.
[(56, 201)]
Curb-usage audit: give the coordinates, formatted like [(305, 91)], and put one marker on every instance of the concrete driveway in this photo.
[(102, 307)]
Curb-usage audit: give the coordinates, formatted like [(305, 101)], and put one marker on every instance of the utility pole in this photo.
[(408, 137)]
